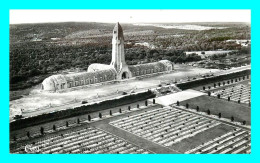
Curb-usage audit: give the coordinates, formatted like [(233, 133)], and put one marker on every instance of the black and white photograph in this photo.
[(130, 81)]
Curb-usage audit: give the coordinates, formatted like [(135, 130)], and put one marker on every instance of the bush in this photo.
[(212, 79), (84, 102)]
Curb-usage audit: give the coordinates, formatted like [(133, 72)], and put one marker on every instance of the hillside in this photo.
[(39, 50)]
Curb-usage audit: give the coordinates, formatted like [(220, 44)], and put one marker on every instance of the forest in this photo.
[(40, 50)]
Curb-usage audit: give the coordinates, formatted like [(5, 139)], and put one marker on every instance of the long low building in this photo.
[(97, 73)]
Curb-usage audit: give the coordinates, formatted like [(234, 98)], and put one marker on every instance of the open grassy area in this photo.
[(216, 106)]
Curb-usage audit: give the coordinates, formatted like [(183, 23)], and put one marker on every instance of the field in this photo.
[(135, 132), (227, 109)]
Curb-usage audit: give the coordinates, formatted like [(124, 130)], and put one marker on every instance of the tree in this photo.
[(187, 105), (110, 112), (137, 106), (89, 118), (100, 115), (78, 121), (120, 110), (67, 124), (208, 112), (42, 130), (232, 119), (28, 134), (197, 108), (146, 102), (153, 101), (178, 103), (129, 108), (54, 128), (209, 93), (218, 95), (219, 115)]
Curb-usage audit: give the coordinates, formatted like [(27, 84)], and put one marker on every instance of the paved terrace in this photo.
[(39, 102)]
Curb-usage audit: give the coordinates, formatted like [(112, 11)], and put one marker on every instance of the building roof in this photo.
[(98, 67), (154, 65), (60, 78)]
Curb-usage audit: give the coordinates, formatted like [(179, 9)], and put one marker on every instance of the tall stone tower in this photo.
[(118, 54)]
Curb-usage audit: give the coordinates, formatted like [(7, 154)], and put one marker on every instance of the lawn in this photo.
[(226, 108)]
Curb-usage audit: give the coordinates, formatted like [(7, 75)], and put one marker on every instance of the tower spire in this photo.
[(118, 52)]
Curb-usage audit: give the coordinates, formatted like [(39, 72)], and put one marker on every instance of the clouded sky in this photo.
[(129, 16)]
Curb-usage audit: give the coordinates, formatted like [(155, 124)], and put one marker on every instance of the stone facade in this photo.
[(98, 73)]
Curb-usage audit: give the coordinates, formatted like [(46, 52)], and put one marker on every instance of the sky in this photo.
[(129, 16)]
